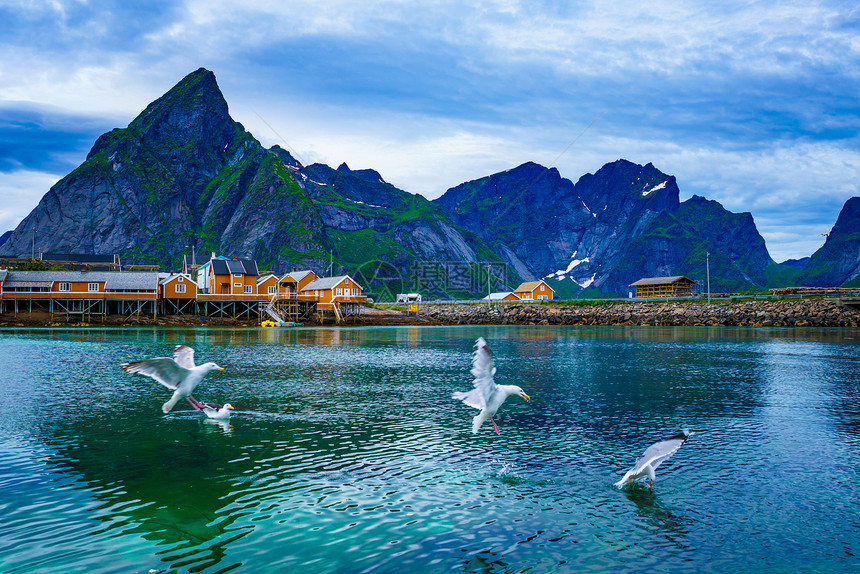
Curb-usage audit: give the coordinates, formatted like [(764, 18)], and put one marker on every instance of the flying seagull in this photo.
[(177, 374), (211, 410), (652, 457), (487, 395)]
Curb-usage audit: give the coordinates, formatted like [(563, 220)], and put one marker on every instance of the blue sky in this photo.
[(753, 104)]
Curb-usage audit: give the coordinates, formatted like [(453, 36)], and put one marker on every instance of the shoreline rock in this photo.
[(781, 313)]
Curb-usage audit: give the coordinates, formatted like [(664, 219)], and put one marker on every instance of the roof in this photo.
[(662, 280), (80, 258), (30, 284), (3, 275), (328, 283), (498, 296), (69, 276), (132, 281), (113, 280), (296, 275), (234, 267), (531, 286), (174, 276), (265, 277)]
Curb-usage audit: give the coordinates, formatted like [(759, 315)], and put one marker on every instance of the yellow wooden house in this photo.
[(267, 285), (291, 284), (328, 291), (534, 291)]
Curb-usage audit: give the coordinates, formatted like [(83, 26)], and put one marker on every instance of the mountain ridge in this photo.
[(183, 174)]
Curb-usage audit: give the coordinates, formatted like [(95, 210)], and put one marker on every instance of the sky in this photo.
[(752, 104)]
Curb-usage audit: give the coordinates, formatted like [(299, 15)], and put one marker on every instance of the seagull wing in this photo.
[(184, 356), (655, 454), (483, 370), (163, 369)]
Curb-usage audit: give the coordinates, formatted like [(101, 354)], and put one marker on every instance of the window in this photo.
[(65, 287), (92, 287), (272, 289), (355, 292), (247, 289), (180, 279), (237, 284), (180, 288), (541, 287), (340, 291)]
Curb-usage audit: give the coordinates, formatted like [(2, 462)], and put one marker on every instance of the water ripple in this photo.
[(347, 454)]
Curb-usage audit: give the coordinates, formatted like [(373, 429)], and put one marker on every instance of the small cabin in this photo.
[(534, 291), (328, 290), (674, 286), (177, 286), (267, 284)]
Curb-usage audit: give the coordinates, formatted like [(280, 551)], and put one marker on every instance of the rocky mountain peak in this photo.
[(849, 218), (369, 175), (192, 117)]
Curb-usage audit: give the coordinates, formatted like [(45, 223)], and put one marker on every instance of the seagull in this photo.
[(652, 457), (177, 374), (211, 410), (487, 395)]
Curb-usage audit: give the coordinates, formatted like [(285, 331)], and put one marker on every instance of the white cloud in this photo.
[(520, 82), (20, 191)]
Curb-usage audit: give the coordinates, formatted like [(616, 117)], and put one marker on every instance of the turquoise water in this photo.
[(347, 454)]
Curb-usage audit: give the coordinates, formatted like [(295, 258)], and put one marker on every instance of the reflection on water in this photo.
[(346, 452)]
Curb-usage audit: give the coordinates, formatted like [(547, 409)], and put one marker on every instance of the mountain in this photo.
[(611, 228), (184, 174), (837, 262)]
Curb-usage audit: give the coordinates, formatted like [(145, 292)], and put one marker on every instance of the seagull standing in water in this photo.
[(211, 410), (177, 374), (487, 395), (653, 456)]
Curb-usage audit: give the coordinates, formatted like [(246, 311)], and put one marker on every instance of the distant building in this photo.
[(534, 291), (674, 286), (502, 296), (83, 261)]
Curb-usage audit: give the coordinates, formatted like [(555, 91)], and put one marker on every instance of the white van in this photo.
[(409, 297)]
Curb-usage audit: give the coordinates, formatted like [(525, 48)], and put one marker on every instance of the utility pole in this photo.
[(708, 271), (489, 300)]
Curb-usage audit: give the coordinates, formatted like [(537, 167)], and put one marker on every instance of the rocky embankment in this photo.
[(786, 313)]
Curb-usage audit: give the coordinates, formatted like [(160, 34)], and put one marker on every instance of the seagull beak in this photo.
[(231, 407), (220, 368), (525, 397)]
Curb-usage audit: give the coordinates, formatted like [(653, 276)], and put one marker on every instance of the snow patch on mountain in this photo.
[(646, 192)]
